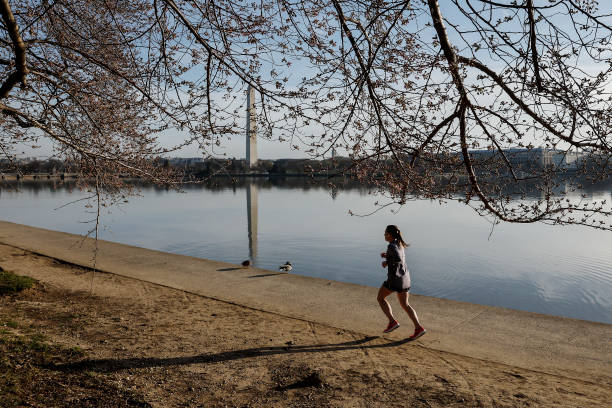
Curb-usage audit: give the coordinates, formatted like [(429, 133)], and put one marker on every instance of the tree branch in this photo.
[(496, 78), (534, 50), (21, 70)]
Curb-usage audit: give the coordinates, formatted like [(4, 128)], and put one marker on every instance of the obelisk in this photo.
[(251, 134)]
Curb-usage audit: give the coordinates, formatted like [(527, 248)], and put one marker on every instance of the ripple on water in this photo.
[(578, 287)]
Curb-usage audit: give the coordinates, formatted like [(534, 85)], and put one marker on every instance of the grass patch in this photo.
[(28, 377), (76, 351), (37, 342), (12, 283), (11, 323)]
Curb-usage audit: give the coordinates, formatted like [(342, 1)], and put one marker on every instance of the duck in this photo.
[(246, 264), (286, 267)]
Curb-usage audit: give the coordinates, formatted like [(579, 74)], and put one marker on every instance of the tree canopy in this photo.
[(451, 101)]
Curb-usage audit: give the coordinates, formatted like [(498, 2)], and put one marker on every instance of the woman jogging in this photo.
[(398, 280)]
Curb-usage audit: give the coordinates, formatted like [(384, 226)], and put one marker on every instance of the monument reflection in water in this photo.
[(251, 192)]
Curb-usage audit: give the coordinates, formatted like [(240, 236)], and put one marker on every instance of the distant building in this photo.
[(539, 157), (177, 161)]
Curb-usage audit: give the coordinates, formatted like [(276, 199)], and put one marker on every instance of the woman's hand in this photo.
[(384, 264), (383, 254)]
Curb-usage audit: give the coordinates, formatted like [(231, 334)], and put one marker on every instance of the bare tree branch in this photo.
[(19, 48)]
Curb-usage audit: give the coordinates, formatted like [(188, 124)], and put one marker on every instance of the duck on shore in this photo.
[(286, 267)]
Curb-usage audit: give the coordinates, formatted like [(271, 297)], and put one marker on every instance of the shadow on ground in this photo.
[(109, 365), (267, 274)]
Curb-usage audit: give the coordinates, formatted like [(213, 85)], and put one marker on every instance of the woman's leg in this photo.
[(384, 305), (403, 300)]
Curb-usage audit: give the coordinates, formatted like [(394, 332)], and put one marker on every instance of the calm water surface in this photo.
[(565, 271)]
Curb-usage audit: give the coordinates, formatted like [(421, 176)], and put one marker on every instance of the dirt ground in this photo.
[(132, 343)]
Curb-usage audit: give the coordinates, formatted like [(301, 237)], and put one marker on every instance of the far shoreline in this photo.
[(74, 176)]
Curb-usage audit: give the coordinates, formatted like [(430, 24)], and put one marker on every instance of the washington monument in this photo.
[(251, 133)]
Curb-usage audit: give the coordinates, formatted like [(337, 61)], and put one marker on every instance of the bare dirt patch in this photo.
[(129, 342)]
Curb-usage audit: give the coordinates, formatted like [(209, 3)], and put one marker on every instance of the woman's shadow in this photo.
[(109, 365)]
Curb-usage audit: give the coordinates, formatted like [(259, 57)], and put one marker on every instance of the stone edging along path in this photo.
[(555, 345)]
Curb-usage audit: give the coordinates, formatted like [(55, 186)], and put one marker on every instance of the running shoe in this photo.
[(418, 333), (391, 326)]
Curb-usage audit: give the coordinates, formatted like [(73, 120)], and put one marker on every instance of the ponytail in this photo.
[(396, 234)]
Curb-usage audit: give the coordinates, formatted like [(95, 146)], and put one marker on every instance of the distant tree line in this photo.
[(220, 167), (196, 167), (529, 162), (36, 166)]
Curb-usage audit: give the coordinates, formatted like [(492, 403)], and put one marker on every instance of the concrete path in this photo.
[(555, 345)]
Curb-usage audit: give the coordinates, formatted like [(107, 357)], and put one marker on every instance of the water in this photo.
[(565, 271)]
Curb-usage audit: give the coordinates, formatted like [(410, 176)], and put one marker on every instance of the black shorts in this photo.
[(386, 285)]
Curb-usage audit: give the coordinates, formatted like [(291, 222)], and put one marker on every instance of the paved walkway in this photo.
[(560, 346)]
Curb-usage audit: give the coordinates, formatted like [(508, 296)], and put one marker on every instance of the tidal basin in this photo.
[(453, 253)]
